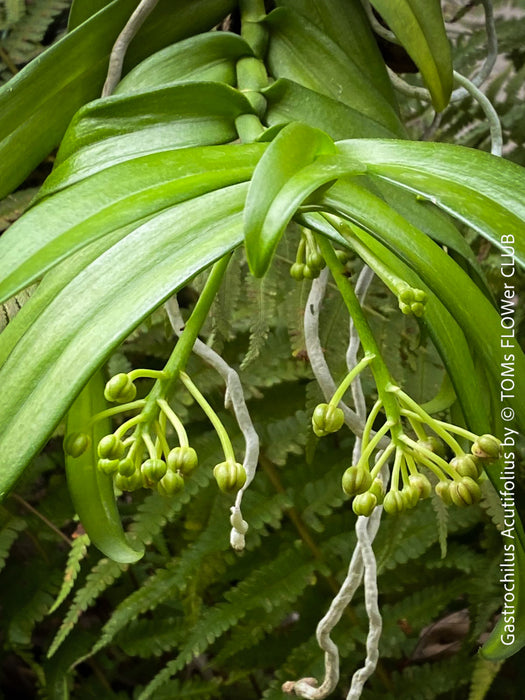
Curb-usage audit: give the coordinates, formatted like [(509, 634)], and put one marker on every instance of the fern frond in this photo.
[(76, 554), (491, 503), (34, 607), (102, 576), (24, 39), (147, 638), (482, 677), (10, 528), (441, 513), (282, 579)]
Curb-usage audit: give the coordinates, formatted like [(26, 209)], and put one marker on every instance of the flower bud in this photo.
[(443, 491), (378, 490), (410, 496), (296, 271), (183, 459), (327, 419), (465, 492), (110, 447), (342, 256), (393, 502), (406, 294), (315, 261), (108, 466), (417, 309), (420, 296), (310, 273), (465, 466), (153, 470), (75, 444), (356, 480), (170, 484), (129, 483), (487, 448), (126, 467), (120, 389), (230, 476), (421, 483), (364, 504)]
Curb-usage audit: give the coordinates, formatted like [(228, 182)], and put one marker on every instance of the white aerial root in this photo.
[(234, 397), (363, 562)]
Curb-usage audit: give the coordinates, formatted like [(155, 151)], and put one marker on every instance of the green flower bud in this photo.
[(129, 483), (435, 445), (230, 476), (315, 261), (487, 448), (410, 496), (75, 444), (110, 447), (327, 419), (393, 503), (378, 491), (356, 480), (126, 467), (310, 273), (422, 484), (153, 470), (183, 459), (417, 309), (364, 504), (120, 389), (108, 466), (406, 294), (296, 271), (170, 484), (465, 492), (465, 466), (443, 491), (420, 296), (405, 308), (342, 256)]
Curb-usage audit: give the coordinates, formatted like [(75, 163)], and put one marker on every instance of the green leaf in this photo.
[(296, 146), (419, 26), (288, 101), (347, 25), (69, 219), (477, 188), (299, 50), (92, 314), (211, 56), (38, 103), (114, 129)]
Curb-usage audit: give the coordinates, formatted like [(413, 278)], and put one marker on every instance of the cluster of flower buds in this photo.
[(144, 458), (458, 478), (308, 261), (411, 300)]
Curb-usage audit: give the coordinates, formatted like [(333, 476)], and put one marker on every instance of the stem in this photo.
[(123, 429), (379, 369), (374, 442), (394, 481), (43, 518), (428, 420), (146, 373), (161, 438), (370, 422), (425, 454), (342, 388), (182, 351), (381, 461), (226, 444), (140, 403), (175, 421), (146, 438)]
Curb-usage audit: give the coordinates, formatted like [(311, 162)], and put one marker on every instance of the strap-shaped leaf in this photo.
[(82, 10), (92, 314), (114, 129), (295, 147), (483, 191), (288, 101), (211, 56), (347, 25), (60, 224), (38, 103), (300, 51), (419, 26), (476, 316)]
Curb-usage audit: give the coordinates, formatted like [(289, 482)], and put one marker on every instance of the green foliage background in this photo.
[(216, 624)]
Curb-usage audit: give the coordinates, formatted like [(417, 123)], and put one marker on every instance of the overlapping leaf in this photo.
[(74, 333), (418, 24), (38, 103)]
